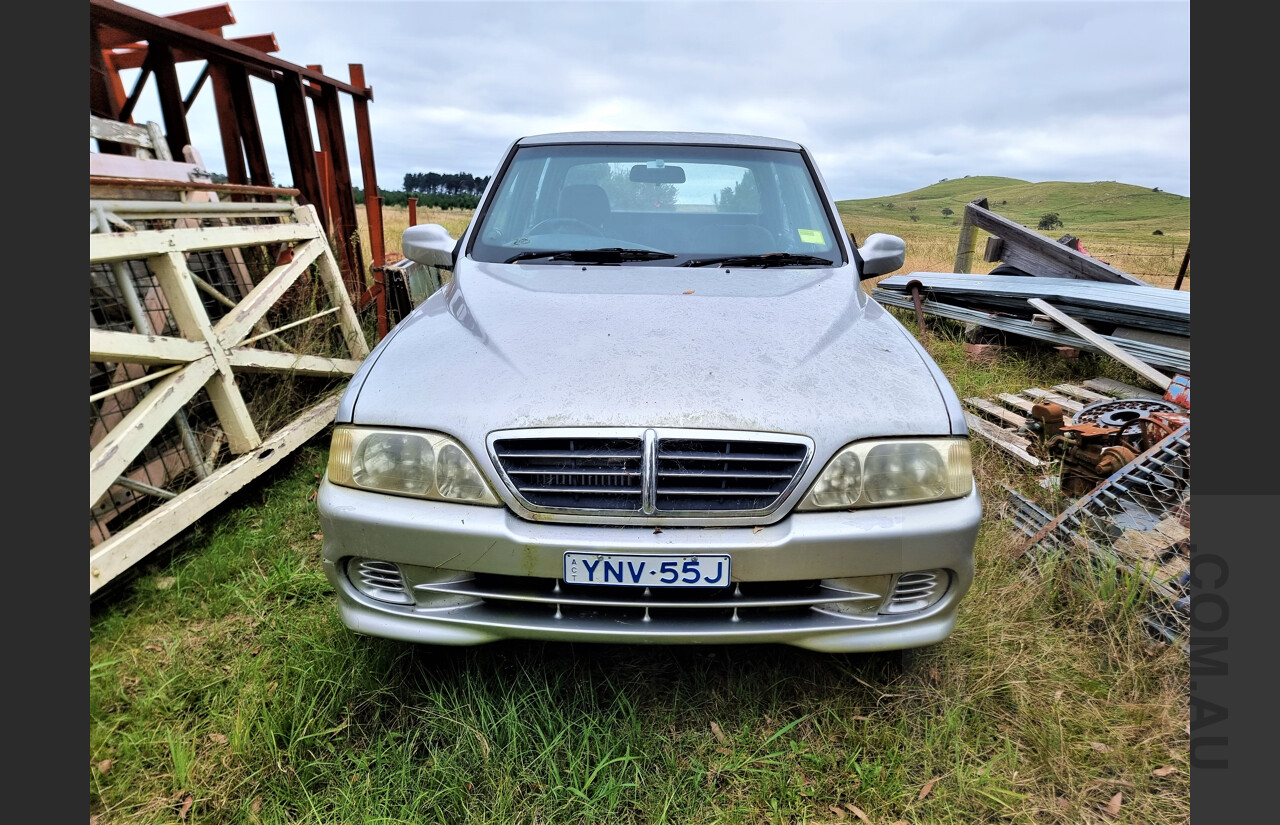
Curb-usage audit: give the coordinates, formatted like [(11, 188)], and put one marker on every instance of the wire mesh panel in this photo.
[(1137, 520), (213, 328)]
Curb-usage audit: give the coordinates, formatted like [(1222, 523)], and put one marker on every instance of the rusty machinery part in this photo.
[(1113, 458), (1104, 437), (1044, 421), (1120, 412)]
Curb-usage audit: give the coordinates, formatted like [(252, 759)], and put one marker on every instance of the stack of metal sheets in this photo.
[(1151, 324)]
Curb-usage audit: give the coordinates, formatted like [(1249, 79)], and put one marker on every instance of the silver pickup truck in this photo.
[(653, 405)]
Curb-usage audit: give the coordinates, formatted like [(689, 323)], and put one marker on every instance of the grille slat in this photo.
[(573, 473), (601, 473), (789, 594), (689, 473), (693, 456), (725, 476)]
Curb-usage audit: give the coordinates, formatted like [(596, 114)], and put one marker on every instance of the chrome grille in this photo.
[(714, 474), (662, 474), (573, 473)]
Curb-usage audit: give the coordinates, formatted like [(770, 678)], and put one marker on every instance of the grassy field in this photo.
[(1114, 221), (224, 689)]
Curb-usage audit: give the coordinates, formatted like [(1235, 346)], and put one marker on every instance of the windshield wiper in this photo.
[(607, 255), (768, 259)]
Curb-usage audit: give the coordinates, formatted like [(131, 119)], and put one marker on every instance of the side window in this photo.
[(806, 220), (511, 202)]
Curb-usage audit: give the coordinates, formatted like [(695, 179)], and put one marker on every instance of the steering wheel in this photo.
[(567, 223)]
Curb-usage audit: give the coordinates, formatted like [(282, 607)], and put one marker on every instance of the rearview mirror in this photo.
[(881, 254), (429, 244), (657, 172)]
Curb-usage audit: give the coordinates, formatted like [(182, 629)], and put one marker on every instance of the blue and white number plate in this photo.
[(646, 571)]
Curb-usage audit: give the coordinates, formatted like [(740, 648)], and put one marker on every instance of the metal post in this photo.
[(413, 211), (968, 242), (914, 286), (379, 276), (1182, 271)]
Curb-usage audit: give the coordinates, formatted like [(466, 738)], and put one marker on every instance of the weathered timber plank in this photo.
[(1014, 446), (133, 134), (149, 243), (259, 360), (996, 411), (1037, 254), (1044, 396), (111, 346), (1087, 396), (1119, 389), (235, 325), (124, 549), (193, 320), (109, 458), (1016, 401), (124, 166)]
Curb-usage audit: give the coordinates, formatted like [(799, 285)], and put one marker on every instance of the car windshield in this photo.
[(657, 205)]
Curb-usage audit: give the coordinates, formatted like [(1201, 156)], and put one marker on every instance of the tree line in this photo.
[(434, 190), (435, 183), (425, 199)]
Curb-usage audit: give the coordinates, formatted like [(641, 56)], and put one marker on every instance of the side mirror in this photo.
[(881, 254), (429, 244)]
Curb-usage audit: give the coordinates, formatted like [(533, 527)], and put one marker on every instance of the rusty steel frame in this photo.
[(155, 44)]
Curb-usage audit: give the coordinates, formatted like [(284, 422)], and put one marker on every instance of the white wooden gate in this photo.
[(174, 351)]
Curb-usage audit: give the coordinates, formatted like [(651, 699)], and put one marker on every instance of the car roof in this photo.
[(683, 138)]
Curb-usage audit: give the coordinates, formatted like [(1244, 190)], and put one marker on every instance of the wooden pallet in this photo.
[(998, 419)]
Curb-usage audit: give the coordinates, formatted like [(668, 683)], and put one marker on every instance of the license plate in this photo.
[(646, 571)]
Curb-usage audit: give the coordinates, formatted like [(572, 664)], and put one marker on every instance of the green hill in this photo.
[(1098, 207)]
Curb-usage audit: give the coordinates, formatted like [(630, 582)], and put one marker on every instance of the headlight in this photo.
[(906, 471), (406, 463)]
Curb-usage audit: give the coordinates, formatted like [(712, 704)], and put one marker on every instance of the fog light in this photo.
[(381, 580), (874, 587), (916, 591)]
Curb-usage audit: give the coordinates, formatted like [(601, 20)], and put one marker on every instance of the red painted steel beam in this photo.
[(135, 57), (228, 126), (126, 111), (364, 141), (153, 29), (141, 45), (246, 119), (207, 18), (102, 100), (175, 116), (345, 224), (297, 137)]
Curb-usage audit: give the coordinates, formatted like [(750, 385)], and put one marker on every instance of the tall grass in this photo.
[(220, 671)]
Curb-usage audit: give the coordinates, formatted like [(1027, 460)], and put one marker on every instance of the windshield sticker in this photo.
[(812, 236)]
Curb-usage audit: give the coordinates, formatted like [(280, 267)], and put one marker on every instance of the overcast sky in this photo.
[(889, 96)]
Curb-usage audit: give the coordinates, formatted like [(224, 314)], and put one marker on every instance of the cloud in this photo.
[(890, 96)]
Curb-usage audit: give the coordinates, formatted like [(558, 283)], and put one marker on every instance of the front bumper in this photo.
[(493, 545)]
